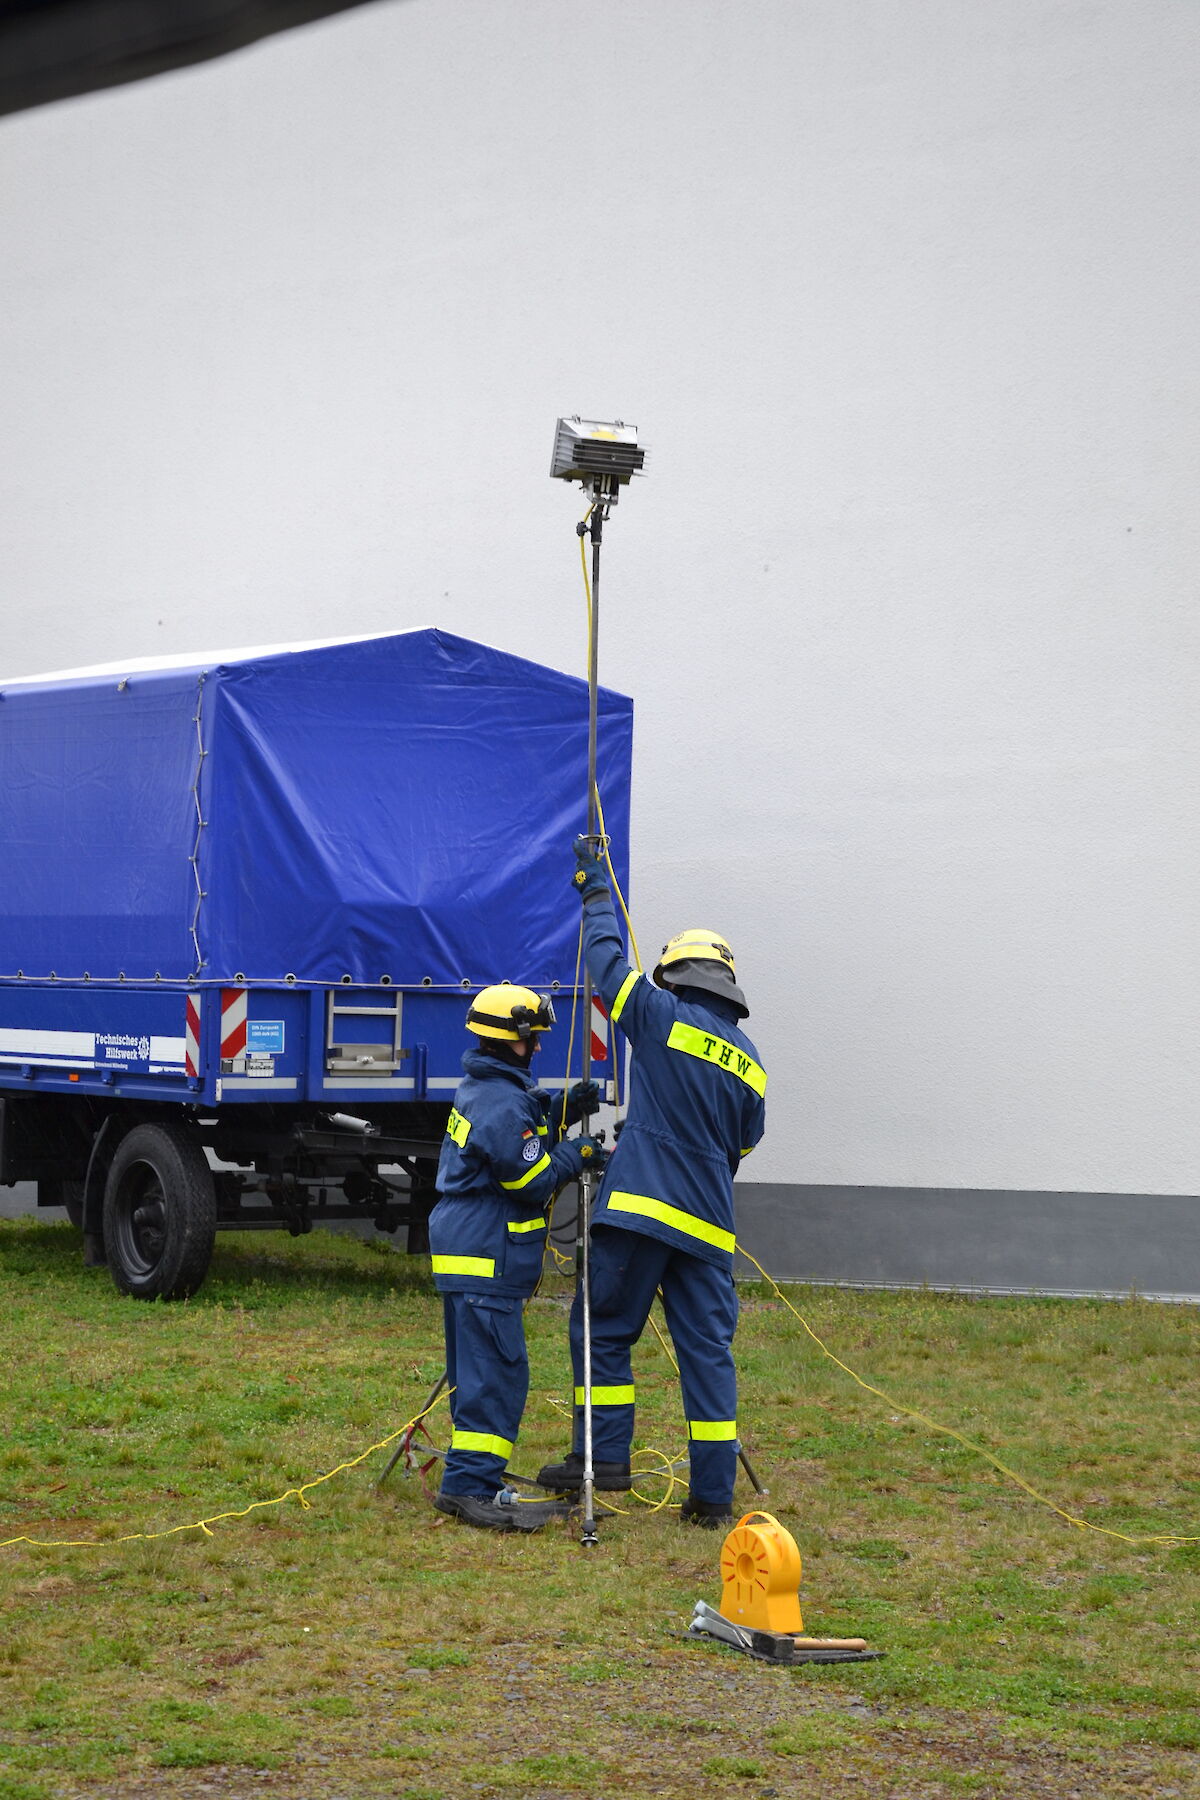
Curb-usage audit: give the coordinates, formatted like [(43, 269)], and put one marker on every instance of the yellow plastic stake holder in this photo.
[(760, 1567)]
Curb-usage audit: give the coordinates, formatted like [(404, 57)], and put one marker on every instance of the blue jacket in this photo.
[(497, 1177), (696, 1103)]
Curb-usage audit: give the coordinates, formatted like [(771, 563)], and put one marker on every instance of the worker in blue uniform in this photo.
[(663, 1216), (498, 1171)]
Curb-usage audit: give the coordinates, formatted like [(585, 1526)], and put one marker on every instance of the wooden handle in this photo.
[(808, 1643)]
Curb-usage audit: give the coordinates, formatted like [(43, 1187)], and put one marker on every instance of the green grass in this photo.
[(364, 1644)]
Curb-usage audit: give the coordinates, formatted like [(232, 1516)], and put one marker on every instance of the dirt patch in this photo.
[(523, 1723)]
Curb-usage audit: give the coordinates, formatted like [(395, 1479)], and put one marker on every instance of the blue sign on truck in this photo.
[(245, 904)]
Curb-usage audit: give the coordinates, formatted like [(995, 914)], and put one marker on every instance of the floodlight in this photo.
[(602, 454)]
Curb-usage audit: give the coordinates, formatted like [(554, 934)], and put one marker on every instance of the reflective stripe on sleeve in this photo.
[(480, 1440), (539, 1167), (464, 1265), (747, 1151), (526, 1224), (647, 1208), (710, 1049), (712, 1431), (607, 1396), (623, 993), (458, 1128)]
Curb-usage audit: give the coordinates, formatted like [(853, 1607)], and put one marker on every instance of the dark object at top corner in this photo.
[(54, 49)]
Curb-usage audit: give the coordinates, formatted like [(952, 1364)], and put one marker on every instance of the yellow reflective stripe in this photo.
[(712, 1431), (463, 1265), (480, 1440), (526, 1224), (607, 1396), (623, 993), (539, 1166), (746, 1152), (715, 1050), (647, 1208), (458, 1128)]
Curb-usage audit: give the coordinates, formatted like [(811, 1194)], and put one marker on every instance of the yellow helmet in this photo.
[(509, 1013), (701, 959)]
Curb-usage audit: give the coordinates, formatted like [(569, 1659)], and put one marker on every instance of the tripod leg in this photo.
[(761, 1492), (406, 1440)]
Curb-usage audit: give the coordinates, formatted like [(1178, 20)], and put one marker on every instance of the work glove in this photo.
[(589, 1154), (591, 880), (582, 1099)]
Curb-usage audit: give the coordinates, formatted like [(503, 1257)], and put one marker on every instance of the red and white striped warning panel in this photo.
[(233, 1023), (191, 1036), (599, 1031)]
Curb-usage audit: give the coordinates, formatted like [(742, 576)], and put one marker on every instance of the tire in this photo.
[(67, 1194), (160, 1214), (73, 1202)]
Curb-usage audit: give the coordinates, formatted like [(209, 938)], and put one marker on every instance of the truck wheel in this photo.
[(160, 1214), (68, 1194)]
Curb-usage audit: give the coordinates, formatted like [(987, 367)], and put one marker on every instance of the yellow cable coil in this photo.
[(760, 1572)]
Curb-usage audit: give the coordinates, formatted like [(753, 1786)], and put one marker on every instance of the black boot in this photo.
[(501, 1512), (710, 1515), (567, 1477)]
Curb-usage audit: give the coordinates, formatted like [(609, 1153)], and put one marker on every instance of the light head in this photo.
[(603, 456)]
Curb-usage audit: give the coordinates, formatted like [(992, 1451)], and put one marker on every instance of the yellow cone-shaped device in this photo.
[(760, 1567)]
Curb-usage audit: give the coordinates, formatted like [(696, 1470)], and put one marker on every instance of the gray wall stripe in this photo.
[(986, 1240)]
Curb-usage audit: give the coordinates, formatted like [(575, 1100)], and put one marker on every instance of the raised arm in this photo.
[(630, 998)]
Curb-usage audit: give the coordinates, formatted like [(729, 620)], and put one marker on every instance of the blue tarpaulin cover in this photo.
[(399, 806)]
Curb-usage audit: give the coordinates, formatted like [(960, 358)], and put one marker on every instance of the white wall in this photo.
[(903, 298)]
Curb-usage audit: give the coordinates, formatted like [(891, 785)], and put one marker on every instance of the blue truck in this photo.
[(244, 903)]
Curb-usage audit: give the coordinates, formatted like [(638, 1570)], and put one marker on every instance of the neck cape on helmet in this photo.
[(701, 959)]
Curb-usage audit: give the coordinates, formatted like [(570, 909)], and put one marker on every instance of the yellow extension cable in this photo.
[(911, 1412), (294, 1493), (587, 588), (667, 1469), (880, 1393)]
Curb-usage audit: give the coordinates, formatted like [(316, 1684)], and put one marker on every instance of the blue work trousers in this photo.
[(700, 1302), (488, 1368)]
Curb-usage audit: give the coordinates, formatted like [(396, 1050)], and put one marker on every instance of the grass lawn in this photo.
[(366, 1646)]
